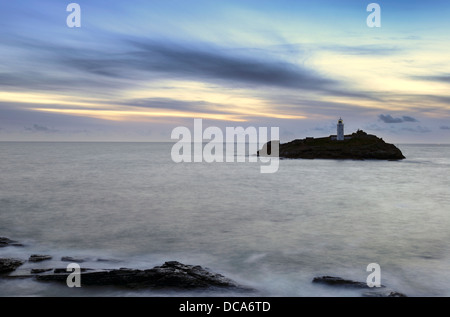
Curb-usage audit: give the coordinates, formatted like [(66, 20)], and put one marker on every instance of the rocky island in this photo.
[(357, 146)]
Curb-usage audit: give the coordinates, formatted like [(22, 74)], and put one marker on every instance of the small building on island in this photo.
[(340, 136), (340, 130)]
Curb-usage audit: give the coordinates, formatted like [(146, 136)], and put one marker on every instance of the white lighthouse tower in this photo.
[(340, 130)]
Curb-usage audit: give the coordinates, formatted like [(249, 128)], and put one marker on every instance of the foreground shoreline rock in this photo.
[(334, 281), (4, 242), (357, 146), (172, 275), (9, 265)]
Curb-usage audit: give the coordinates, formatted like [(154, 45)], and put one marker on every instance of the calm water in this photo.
[(129, 202)]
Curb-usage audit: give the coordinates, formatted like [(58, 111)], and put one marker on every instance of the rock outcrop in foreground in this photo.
[(9, 265), (173, 275), (170, 275), (357, 146), (4, 242), (370, 292)]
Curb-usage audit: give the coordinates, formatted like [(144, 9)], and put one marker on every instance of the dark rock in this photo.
[(108, 260), (39, 271), (9, 265), (39, 258), (4, 242), (64, 271), (381, 291), (387, 293), (395, 294), (172, 275), (71, 259), (337, 281), (357, 146)]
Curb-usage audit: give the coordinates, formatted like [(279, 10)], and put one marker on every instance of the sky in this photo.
[(136, 70)]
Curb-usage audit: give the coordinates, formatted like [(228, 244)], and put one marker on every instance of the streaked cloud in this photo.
[(40, 128), (364, 49), (288, 63), (437, 78), (390, 119), (417, 129)]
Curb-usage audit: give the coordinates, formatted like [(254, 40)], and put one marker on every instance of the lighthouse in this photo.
[(340, 130)]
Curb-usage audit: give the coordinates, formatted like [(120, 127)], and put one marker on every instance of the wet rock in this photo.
[(9, 265), (71, 259), (387, 293), (170, 275), (4, 242), (338, 281), (39, 271), (395, 294), (39, 258), (64, 270), (381, 291), (108, 260)]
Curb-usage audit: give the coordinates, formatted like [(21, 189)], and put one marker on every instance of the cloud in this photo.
[(176, 104), (370, 50), (389, 119), (40, 128), (418, 129), (409, 119), (25, 119), (374, 127), (444, 127), (326, 128), (151, 59), (396, 129), (99, 70), (438, 78)]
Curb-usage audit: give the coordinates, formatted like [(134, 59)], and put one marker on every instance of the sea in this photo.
[(130, 205)]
